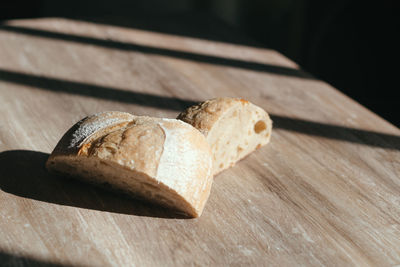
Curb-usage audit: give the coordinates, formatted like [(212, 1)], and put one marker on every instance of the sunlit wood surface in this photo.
[(325, 191)]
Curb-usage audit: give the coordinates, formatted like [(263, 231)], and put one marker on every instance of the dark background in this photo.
[(349, 44)]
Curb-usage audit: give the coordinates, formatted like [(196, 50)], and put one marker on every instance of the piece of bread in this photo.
[(165, 161), (233, 127)]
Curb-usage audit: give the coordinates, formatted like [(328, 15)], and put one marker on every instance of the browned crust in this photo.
[(205, 114), (64, 146)]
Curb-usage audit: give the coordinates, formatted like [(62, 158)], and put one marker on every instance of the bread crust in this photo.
[(204, 115), (211, 116), (89, 127), (165, 161)]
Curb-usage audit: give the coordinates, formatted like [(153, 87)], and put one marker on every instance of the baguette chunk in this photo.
[(164, 161), (233, 128)]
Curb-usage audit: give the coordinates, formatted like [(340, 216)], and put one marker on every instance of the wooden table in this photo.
[(325, 191)]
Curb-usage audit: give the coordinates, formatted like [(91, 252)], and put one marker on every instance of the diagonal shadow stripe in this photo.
[(262, 67), (330, 131), (95, 91), (353, 135)]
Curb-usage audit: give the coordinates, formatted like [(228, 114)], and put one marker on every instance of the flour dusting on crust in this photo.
[(92, 124)]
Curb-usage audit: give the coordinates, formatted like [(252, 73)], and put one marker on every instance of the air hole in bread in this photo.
[(239, 149), (221, 165), (260, 126)]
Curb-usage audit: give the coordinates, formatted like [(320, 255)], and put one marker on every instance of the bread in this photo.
[(233, 128), (165, 161)]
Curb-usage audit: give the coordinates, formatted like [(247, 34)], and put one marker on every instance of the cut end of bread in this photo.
[(233, 128), (110, 175), (163, 161)]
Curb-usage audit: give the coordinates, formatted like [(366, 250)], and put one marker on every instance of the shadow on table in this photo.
[(95, 91), (23, 174), (336, 132), (348, 134), (215, 60), (199, 25), (10, 260)]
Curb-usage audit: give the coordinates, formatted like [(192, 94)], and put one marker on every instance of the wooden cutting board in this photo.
[(325, 191)]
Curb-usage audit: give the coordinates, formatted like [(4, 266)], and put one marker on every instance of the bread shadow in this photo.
[(9, 259), (23, 173)]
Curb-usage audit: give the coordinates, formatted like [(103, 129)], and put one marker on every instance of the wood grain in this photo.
[(325, 191)]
